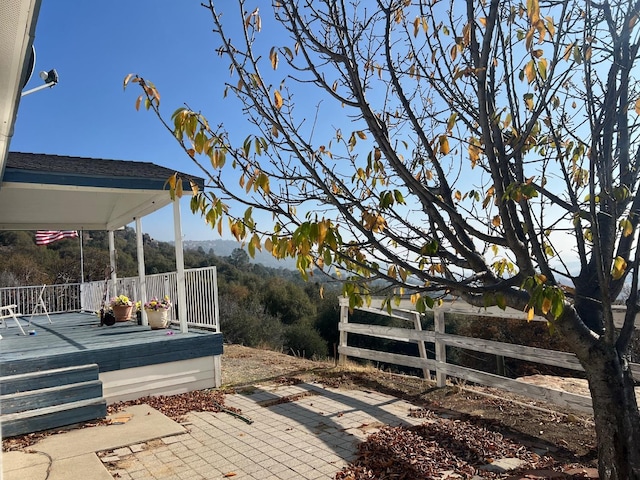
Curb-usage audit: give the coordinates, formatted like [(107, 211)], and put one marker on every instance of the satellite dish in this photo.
[(30, 66)]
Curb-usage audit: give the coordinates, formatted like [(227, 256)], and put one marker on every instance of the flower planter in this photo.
[(122, 312), (158, 318)]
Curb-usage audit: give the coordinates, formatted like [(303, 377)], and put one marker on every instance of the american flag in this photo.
[(45, 237)]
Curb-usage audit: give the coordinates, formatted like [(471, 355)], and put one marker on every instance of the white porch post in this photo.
[(141, 273), (182, 292), (112, 263)]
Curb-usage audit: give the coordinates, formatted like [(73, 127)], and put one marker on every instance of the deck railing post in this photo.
[(181, 288), (344, 319), (112, 264), (441, 348), (142, 276)]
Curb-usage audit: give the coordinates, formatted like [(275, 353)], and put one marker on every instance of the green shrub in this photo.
[(303, 340)]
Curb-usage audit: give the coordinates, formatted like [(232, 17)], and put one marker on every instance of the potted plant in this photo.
[(122, 307), (158, 312)]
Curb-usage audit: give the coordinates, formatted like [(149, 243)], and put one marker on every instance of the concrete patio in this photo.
[(301, 431)]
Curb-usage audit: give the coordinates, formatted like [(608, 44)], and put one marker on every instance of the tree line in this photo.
[(259, 306)]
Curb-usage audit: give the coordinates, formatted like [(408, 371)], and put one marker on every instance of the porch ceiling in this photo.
[(50, 192)]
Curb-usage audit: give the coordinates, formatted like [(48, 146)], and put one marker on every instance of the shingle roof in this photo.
[(60, 166)]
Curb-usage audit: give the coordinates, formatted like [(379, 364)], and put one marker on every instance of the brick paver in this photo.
[(311, 438)]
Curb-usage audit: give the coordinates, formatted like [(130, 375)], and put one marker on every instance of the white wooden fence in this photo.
[(441, 340)]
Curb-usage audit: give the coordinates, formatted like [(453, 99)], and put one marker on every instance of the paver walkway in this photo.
[(303, 431)]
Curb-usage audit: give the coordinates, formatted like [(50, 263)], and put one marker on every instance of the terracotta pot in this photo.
[(158, 318), (122, 312)]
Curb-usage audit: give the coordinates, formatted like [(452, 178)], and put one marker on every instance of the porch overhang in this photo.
[(18, 20), (51, 192)]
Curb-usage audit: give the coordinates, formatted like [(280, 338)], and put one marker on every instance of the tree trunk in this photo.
[(615, 412)]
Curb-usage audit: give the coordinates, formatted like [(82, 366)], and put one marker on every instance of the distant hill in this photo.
[(224, 248)]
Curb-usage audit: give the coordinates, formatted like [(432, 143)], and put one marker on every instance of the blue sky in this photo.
[(93, 45)]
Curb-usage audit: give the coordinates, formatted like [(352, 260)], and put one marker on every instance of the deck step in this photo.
[(53, 417), (24, 382), (34, 401)]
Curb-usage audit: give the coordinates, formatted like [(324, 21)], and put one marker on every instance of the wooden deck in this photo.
[(133, 360)]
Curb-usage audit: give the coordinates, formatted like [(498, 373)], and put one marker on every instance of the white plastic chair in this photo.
[(7, 312), (40, 305)]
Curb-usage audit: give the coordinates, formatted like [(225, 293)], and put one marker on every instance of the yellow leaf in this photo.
[(530, 313), (530, 71), (483, 21), (273, 56), (567, 51), (546, 306), (277, 99), (444, 144), (474, 153), (361, 134), (458, 195), (172, 181), (454, 52), (452, 121), (126, 80), (637, 106), (529, 103), (626, 226), (619, 266), (529, 38), (542, 68), (533, 11), (496, 221)]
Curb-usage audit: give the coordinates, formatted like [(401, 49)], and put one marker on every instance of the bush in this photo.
[(248, 325), (305, 341)]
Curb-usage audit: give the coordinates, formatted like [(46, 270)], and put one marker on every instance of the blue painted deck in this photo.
[(77, 339)]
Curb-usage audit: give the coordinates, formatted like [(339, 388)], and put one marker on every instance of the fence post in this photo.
[(441, 348), (344, 319), (417, 324)]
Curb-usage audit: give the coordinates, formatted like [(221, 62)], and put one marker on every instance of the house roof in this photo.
[(53, 192)]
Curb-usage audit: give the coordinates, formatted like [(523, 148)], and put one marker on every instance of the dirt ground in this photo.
[(569, 436)]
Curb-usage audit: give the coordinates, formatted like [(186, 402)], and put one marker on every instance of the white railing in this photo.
[(201, 301), (57, 298), (413, 333)]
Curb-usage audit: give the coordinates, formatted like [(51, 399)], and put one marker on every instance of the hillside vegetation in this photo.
[(259, 306)]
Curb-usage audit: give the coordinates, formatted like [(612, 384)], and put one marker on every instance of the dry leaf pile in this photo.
[(440, 448), (177, 406)]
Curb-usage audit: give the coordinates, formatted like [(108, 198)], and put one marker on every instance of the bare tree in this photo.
[(487, 149)]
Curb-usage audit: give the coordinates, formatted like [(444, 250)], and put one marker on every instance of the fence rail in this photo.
[(201, 301), (441, 340)]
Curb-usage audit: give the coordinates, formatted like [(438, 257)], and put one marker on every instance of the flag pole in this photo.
[(81, 257)]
